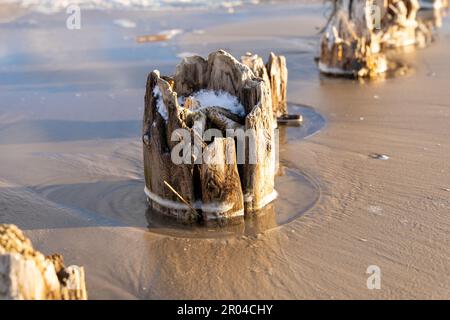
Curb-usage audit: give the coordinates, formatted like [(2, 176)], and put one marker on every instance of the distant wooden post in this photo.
[(359, 30), (275, 74), (430, 18), (351, 43)]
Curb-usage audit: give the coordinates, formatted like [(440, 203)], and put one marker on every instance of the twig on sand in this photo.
[(180, 197)]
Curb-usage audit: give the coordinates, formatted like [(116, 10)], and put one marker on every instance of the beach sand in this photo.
[(71, 172)]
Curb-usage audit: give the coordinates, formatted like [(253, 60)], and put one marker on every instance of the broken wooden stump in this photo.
[(359, 30), (275, 74), (400, 23), (351, 43), (430, 18), (26, 274), (209, 140), (411, 22)]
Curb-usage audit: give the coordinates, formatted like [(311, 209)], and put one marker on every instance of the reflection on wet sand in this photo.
[(122, 203)]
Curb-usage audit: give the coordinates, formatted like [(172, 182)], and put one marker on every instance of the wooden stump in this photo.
[(430, 18), (26, 274), (215, 179), (278, 74), (400, 23), (275, 75), (351, 44), (220, 183), (404, 25)]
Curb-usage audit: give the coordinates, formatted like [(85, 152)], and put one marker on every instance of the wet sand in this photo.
[(71, 171), (10, 12)]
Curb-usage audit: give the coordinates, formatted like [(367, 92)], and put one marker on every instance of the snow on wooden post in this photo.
[(192, 174)]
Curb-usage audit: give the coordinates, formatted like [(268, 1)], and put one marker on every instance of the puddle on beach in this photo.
[(297, 195), (123, 203), (312, 123)]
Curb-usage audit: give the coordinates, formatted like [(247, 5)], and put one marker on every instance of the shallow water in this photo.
[(88, 86), (97, 73), (313, 122), (123, 203)]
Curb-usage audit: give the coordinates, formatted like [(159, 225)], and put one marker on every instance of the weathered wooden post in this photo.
[(430, 18), (400, 23), (351, 43), (359, 30), (192, 175), (26, 274), (275, 74)]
